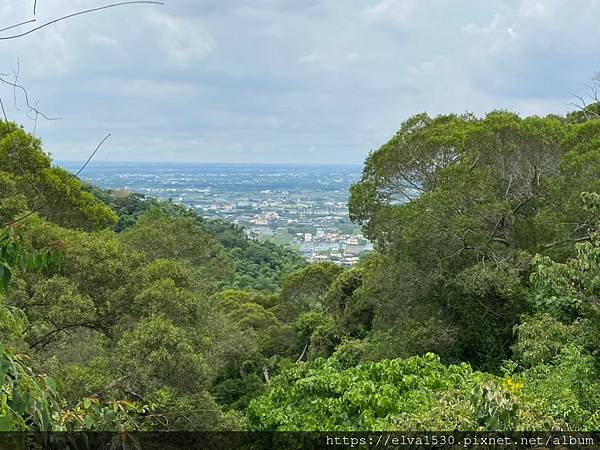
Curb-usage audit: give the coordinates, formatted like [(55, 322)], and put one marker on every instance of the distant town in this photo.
[(317, 225), (301, 207)]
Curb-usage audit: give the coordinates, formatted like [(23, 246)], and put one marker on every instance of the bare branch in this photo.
[(565, 241), (16, 73), (34, 108), (17, 25), (35, 119), (594, 97), (91, 156), (79, 13), (3, 111), (26, 96), (301, 357)]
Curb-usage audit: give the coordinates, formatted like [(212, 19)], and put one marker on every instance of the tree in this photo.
[(159, 236), (557, 344), (457, 207), (350, 304), (33, 185), (588, 109), (306, 286)]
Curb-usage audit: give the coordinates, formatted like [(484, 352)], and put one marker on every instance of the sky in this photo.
[(285, 81)]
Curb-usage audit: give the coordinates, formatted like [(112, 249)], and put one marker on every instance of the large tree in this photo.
[(457, 205)]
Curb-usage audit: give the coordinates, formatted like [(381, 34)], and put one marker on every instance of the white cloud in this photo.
[(396, 10), (498, 35), (352, 57), (330, 59), (105, 41), (538, 9), (308, 58), (157, 90), (185, 41), (53, 57), (265, 80)]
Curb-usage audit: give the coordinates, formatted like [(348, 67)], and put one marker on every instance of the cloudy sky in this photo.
[(286, 80)]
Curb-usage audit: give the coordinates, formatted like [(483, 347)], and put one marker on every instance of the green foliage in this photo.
[(90, 414), (458, 206), (237, 393), (542, 337), (351, 304), (33, 184), (320, 331), (12, 257), (564, 392), (161, 236), (412, 394), (258, 266), (30, 402), (250, 311), (230, 299), (569, 285), (92, 288), (27, 402), (124, 321), (352, 352), (157, 353), (13, 323), (128, 206), (171, 322), (306, 286), (408, 321), (12, 202), (558, 345), (195, 412)]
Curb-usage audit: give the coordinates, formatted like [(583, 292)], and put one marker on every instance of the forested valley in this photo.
[(479, 309)]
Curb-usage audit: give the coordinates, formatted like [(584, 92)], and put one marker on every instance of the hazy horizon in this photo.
[(201, 163)]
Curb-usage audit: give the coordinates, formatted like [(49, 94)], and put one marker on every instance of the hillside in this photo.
[(478, 311)]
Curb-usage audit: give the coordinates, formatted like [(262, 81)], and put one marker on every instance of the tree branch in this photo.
[(564, 241), (17, 25), (3, 111), (79, 13), (303, 353), (15, 86)]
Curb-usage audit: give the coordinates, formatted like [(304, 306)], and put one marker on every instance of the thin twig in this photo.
[(26, 96), (35, 119), (92, 155), (3, 111), (301, 357), (17, 72), (87, 11), (17, 25)]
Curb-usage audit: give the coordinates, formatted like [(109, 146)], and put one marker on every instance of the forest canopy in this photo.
[(479, 309)]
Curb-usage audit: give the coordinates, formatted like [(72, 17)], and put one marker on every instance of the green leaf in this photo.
[(6, 423), (89, 420), (4, 367), (5, 276)]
